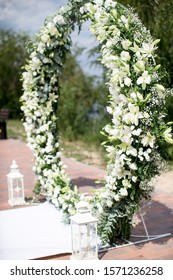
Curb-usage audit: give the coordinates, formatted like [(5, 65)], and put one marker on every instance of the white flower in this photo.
[(134, 179), (148, 140), (133, 116), (144, 80), (133, 95), (98, 2), (109, 110), (160, 89), (46, 60), (133, 166), (146, 115), (136, 49), (125, 56), (109, 203), (168, 135), (52, 29), (139, 96), (137, 131), (55, 202), (125, 21), (110, 3), (36, 62), (123, 192), (127, 81), (53, 97), (45, 38), (89, 7), (41, 47), (131, 151), (139, 66), (82, 10), (111, 179), (59, 19), (126, 183), (146, 155), (126, 44), (148, 48), (116, 197)]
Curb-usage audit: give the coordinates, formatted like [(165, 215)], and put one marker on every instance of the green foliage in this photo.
[(111, 222), (13, 57), (156, 15), (82, 102)]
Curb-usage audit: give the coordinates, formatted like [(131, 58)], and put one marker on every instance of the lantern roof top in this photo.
[(83, 215), (14, 170)]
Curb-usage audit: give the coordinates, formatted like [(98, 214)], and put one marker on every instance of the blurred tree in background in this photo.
[(12, 57), (82, 101), (156, 15)]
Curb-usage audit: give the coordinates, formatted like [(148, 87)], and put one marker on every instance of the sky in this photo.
[(29, 16)]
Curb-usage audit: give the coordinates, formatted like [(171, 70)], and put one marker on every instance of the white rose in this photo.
[(45, 38), (109, 203), (59, 19), (134, 179), (123, 192), (133, 166), (116, 197)]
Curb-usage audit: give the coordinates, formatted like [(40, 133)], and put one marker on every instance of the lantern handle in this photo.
[(14, 166), (82, 207)]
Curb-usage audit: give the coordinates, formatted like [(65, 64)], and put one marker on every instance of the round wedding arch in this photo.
[(137, 133)]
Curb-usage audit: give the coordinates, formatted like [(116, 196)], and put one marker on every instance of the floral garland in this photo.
[(136, 103)]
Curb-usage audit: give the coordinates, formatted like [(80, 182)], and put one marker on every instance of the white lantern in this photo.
[(84, 234), (15, 186)]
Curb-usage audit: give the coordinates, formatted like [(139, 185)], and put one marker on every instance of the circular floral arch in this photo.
[(136, 102)]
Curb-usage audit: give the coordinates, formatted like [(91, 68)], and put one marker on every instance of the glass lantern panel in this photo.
[(76, 248), (16, 191), (89, 241), (84, 241), (10, 190)]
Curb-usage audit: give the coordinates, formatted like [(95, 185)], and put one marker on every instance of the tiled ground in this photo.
[(158, 217)]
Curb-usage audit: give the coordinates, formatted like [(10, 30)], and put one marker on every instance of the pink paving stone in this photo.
[(158, 217)]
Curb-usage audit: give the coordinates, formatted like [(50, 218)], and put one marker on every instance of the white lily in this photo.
[(160, 89), (168, 135), (148, 140), (148, 48), (139, 66), (144, 80), (136, 49)]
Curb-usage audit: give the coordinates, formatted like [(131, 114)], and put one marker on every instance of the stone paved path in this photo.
[(159, 216)]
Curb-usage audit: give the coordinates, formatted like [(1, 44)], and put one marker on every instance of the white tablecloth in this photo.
[(33, 232)]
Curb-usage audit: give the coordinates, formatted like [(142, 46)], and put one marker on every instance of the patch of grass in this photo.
[(15, 129), (89, 153), (81, 150)]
